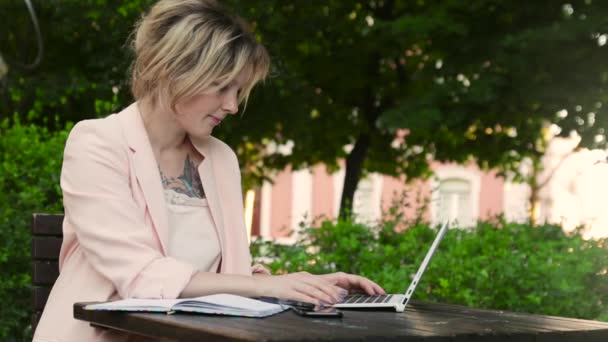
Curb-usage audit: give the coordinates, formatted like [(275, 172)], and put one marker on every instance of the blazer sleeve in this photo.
[(108, 225)]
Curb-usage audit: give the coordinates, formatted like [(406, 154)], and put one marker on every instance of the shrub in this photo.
[(30, 162), (496, 265)]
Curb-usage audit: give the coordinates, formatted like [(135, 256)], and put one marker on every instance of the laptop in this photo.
[(396, 301)]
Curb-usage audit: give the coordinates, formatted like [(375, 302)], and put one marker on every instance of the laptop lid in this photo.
[(425, 262)]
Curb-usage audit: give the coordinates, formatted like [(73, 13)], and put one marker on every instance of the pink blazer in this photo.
[(116, 227)]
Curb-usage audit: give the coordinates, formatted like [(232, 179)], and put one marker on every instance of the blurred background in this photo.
[(380, 119)]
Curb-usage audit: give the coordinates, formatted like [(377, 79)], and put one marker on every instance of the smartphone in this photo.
[(321, 312), (288, 302)]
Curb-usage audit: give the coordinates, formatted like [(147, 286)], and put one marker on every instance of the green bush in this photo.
[(496, 265), (30, 162)]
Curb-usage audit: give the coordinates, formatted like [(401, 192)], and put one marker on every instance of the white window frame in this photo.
[(265, 210), (445, 173), (373, 200), (301, 201)]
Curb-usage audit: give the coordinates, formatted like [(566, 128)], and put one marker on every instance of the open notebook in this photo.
[(219, 304)]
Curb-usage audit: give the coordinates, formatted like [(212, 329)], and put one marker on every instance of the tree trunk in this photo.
[(354, 165), (357, 156), (535, 187), (533, 212)]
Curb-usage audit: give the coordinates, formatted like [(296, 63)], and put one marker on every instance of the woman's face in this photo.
[(199, 114)]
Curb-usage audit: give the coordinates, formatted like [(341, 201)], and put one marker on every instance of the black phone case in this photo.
[(318, 314)]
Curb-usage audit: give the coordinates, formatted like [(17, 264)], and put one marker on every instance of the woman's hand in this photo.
[(354, 283), (259, 269), (303, 287)]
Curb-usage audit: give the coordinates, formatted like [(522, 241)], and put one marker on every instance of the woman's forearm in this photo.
[(207, 283)]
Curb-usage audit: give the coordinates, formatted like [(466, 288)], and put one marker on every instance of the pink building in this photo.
[(460, 193), (575, 194)]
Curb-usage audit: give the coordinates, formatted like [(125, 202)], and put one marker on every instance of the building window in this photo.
[(366, 201), (455, 195), (454, 202)]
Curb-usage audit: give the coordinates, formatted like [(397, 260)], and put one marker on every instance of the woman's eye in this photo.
[(220, 90)]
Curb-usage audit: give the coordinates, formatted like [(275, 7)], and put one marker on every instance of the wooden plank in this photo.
[(282, 327), (39, 297), (451, 323), (457, 320), (420, 322), (497, 325), (46, 247), (143, 325), (35, 319), (47, 224), (551, 322), (44, 272)]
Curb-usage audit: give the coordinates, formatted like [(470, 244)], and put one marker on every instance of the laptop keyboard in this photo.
[(360, 299)]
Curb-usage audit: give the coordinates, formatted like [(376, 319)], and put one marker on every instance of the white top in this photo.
[(192, 233)]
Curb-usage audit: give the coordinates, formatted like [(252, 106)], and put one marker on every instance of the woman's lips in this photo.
[(216, 121)]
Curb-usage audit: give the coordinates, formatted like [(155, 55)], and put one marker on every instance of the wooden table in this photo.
[(422, 321)]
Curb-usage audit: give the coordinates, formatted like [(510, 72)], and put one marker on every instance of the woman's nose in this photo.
[(230, 104)]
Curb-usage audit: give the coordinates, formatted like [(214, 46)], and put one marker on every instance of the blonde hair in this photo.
[(184, 47)]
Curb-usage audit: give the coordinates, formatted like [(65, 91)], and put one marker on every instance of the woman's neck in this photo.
[(164, 132)]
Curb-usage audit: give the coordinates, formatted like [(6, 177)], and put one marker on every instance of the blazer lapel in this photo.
[(223, 190), (208, 175), (147, 172)]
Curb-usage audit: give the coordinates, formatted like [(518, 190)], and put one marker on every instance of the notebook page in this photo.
[(136, 304), (230, 301)]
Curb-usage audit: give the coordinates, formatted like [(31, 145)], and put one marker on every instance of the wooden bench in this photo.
[(421, 321), (47, 235)]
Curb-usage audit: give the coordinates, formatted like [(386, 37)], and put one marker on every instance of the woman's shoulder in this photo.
[(104, 126), (109, 130), (219, 146), (104, 131), (219, 149), (102, 135)]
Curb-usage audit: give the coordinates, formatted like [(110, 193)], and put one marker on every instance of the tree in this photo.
[(399, 82), (83, 72), (466, 81)]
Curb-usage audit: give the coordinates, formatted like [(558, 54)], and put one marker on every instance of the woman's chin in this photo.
[(198, 135)]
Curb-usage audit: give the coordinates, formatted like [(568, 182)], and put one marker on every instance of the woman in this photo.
[(153, 204)]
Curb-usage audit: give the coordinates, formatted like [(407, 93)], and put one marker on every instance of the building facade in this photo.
[(576, 194)]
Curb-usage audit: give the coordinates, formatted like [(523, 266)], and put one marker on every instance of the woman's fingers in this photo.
[(379, 290), (317, 289), (301, 286), (370, 287), (335, 293), (303, 297), (355, 282), (310, 290)]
